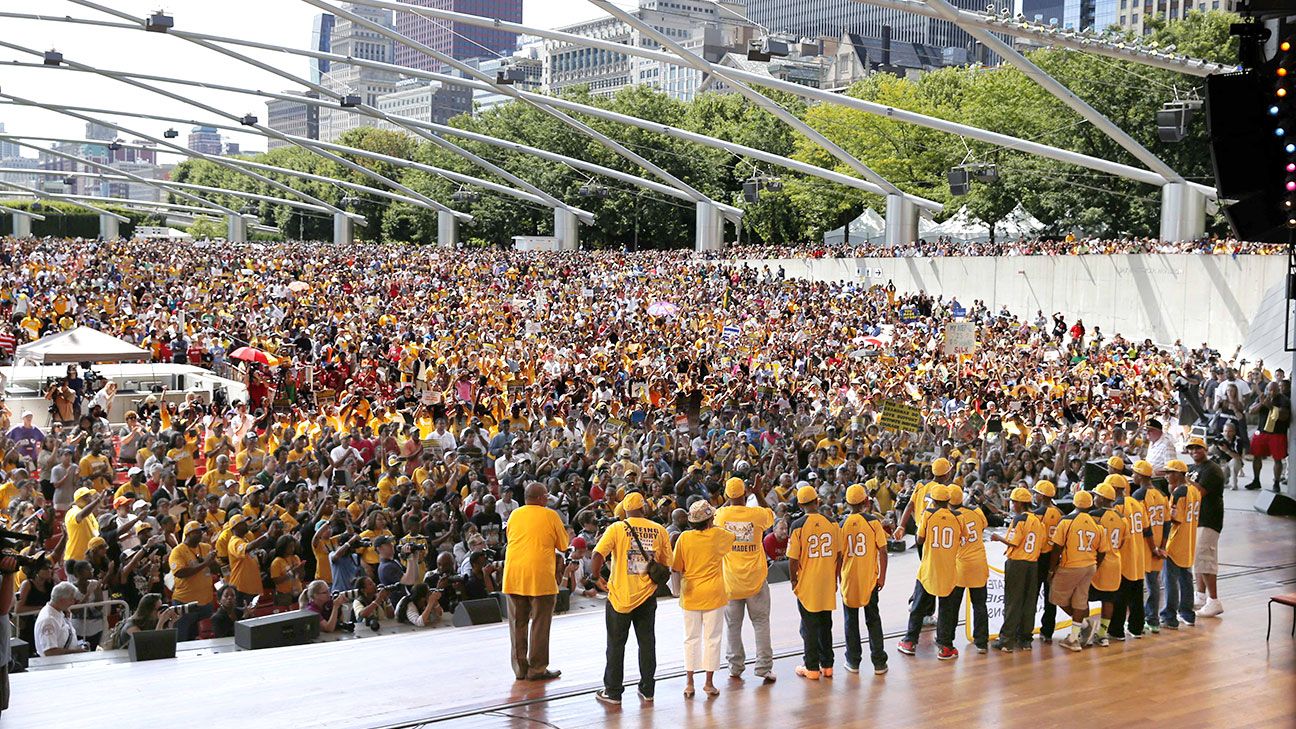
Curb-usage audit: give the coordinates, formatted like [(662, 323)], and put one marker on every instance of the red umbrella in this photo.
[(252, 354)]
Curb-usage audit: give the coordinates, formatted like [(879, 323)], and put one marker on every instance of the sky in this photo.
[(284, 23)]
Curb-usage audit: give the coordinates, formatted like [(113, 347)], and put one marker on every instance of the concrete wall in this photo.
[(1220, 300)]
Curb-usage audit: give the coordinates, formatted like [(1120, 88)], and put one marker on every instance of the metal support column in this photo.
[(566, 230), (108, 227), (343, 232), (236, 229), (901, 221), (1183, 212), (709, 235), (447, 230), (22, 225)]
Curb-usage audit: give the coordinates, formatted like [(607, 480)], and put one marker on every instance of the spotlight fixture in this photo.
[(159, 22)]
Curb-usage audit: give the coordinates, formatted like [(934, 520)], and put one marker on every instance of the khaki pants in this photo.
[(529, 620)]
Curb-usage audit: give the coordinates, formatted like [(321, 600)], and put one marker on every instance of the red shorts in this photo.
[(1269, 445)]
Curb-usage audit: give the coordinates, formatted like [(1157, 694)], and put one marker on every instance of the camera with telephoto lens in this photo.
[(184, 609), (346, 595), (363, 542), (412, 543), (390, 588), (9, 546)]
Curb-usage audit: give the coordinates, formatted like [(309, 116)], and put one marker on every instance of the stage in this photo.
[(1221, 672)]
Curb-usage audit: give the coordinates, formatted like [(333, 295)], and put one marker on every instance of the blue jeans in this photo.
[(187, 625), (1179, 594), (947, 609), (873, 622), (1152, 608), (644, 620), (979, 614)]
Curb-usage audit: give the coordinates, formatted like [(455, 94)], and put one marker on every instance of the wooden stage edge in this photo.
[(1220, 673)]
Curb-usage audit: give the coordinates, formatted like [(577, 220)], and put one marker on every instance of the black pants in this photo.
[(1048, 620), (816, 637), (1129, 602), (644, 621), (979, 615), (946, 615), (1021, 585), (872, 621)]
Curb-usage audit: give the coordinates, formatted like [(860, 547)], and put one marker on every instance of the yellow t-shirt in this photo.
[(323, 567), (814, 544), (745, 567), (245, 573), (1181, 547), (7, 493), (971, 568), (198, 586), (1081, 538), (699, 558), (279, 567), (630, 585), (79, 533), (866, 541), (535, 535), (1026, 537), (942, 539), (184, 463)]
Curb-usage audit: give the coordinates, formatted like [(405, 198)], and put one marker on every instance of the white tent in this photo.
[(1018, 224), (82, 344), (963, 227), (869, 227)]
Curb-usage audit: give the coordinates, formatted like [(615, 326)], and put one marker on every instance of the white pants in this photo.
[(702, 632)]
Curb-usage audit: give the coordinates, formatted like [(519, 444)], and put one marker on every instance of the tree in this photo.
[(205, 228)]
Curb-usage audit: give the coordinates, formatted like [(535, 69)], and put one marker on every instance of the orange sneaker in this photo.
[(804, 672), (827, 672)]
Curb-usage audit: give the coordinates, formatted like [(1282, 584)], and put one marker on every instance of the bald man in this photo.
[(535, 537)]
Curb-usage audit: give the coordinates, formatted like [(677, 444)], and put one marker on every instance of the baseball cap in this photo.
[(634, 501), (955, 494), (141, 526), (855, 494), (1177, 466), (96, 543), (383, 540), (812, 475), (941, 466), (1083, 500), (1153, 424), (1143, 468), (1196, 442), (1021, 495), (735, 488), (806, 495), (1116, 463), (1118, 482), (579, 543), (700, 511), (83, 492), (235, 520), (1045, 488), (1105, 490), (191, 527), (121, 501), (938, 492)]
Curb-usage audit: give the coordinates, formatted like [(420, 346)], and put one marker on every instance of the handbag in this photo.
[(659, 573)]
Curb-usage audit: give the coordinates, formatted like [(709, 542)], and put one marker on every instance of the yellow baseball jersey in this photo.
[(630, 585), (1050, 516), (1157, 506), (971, 568), (866, 541), (745, 568), (942, 539), (1026, 538), (1081, 538), (1181, 547), (814, 544), (920, 505), (1108, 575), (1134, 549)]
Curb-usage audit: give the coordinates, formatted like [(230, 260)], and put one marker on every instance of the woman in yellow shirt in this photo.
[(699, 559), (285, 570)]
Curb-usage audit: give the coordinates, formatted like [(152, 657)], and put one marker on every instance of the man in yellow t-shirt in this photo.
[(535, 537), (1179, 546), (193, 562), (746, 575), (1026, 535), (245, 571), (863, 575), (632, 601), (814, 564), (942, 537), (80, 523)]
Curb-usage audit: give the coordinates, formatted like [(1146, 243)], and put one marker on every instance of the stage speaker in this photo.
[(477, 612), (563, 604), (1245, 153), (778, 571), (274, 631), (19, 653), (1275, 504), (150, 645), (958, 181)]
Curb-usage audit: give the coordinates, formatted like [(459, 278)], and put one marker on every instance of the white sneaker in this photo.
[(1199, 599), (1211, 609)]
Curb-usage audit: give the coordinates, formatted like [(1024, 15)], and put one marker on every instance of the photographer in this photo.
[(447, 581), (421, 608), (147, 616), (480, 582), (1227, 450), (370, 604), (227, 612), (391, 571), (316, 599), (192, 562)]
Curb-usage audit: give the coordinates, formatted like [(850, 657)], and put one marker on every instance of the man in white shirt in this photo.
[(442, 439), (1160, 450), (346, 459), (55, 634)]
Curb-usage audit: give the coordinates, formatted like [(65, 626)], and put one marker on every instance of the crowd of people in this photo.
[(943, 246), (730, 416)]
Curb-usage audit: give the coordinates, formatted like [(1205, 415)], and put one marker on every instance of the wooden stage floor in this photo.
[(1220, 673)]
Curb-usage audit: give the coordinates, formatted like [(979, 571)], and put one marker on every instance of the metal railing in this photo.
[(18, 615)]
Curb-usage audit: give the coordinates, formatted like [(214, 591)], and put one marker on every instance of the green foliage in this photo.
[(205, 228), (65, 220), (914, 158)]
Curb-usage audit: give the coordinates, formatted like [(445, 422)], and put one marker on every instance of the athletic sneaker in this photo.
[(906, 647), (1002, 646), (880, 669), (806, 673), (947, 653), (928, 621), (827, 671), (1102, 641), (1153, 628), (645, 699), (852, 669), (1070, 644), (1169, 626), (1136, 636), (1211, 609), (981, 649), (1047, 639), (1025, 645), (1087, 631), (1199, 599), (610, 700)]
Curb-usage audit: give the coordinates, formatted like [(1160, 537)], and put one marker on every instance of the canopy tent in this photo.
[(963, 227), (869, 227), (82, 344)]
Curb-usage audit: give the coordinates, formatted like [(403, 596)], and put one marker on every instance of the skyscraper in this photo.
[(206, 140), (455, 39), (8, 150), (357, 41), (322, 41)]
